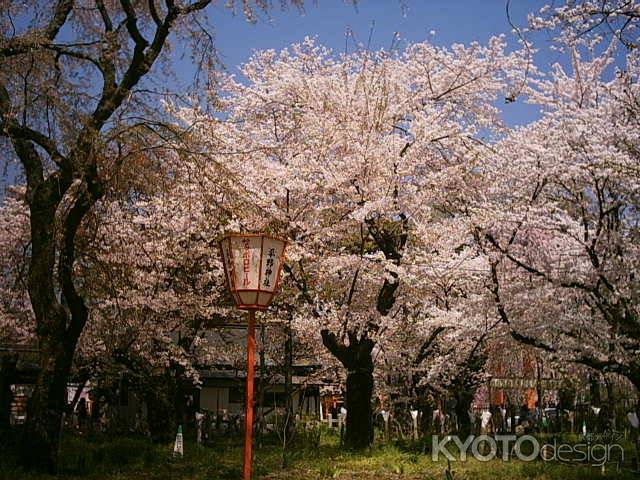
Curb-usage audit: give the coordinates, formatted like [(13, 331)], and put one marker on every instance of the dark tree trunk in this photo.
[(359, 432), (52, 176), (594, 389), (356, 358), (41, 440), (511, 413), (427, 407), (60, 315), (466, 383), (180, 405), (610, 419), (160, 413), (390, 238), (7, 372), (463, 405)]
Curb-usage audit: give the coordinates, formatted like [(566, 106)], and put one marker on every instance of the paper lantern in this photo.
[(252, 263)]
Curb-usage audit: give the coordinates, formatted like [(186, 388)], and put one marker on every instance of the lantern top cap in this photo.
[(252, 234)]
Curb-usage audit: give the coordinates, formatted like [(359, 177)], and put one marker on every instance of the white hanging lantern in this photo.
[(252, 263)]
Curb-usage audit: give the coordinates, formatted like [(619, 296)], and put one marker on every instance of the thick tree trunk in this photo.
[(52, 177), (610, 418), (463, 405), (359, 432), (179, 403), (41, 440), (357, 359), (594, 389), (356, 356), (60, 321), (160, 414)]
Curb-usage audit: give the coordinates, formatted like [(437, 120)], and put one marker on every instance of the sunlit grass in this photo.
[(138, 459)]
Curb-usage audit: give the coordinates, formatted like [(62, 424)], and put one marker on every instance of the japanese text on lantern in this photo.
[(269, 270), (246, 261), (227, 254)]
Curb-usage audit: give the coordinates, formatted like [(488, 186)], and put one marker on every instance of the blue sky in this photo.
[(329, 20), (453, 21), (460, 21)]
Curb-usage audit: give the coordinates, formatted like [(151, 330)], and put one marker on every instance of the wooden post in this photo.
[(248, 417)]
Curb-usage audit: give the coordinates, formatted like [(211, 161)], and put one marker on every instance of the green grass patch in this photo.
[(139, 459)]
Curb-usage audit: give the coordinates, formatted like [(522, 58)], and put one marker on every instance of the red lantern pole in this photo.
[(248, 417)]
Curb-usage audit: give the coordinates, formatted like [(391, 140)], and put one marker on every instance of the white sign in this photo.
[(485, 418), (178, 446), (633, 419)]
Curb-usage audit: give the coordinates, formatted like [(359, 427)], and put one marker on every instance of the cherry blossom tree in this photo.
[(583, 21), (564, 246), (420, 228), (347, 157), (157, 282), (442, 345), (16, 316), (75, 100)]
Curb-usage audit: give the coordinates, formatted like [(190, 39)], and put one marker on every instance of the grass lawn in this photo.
[(138, 459)]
